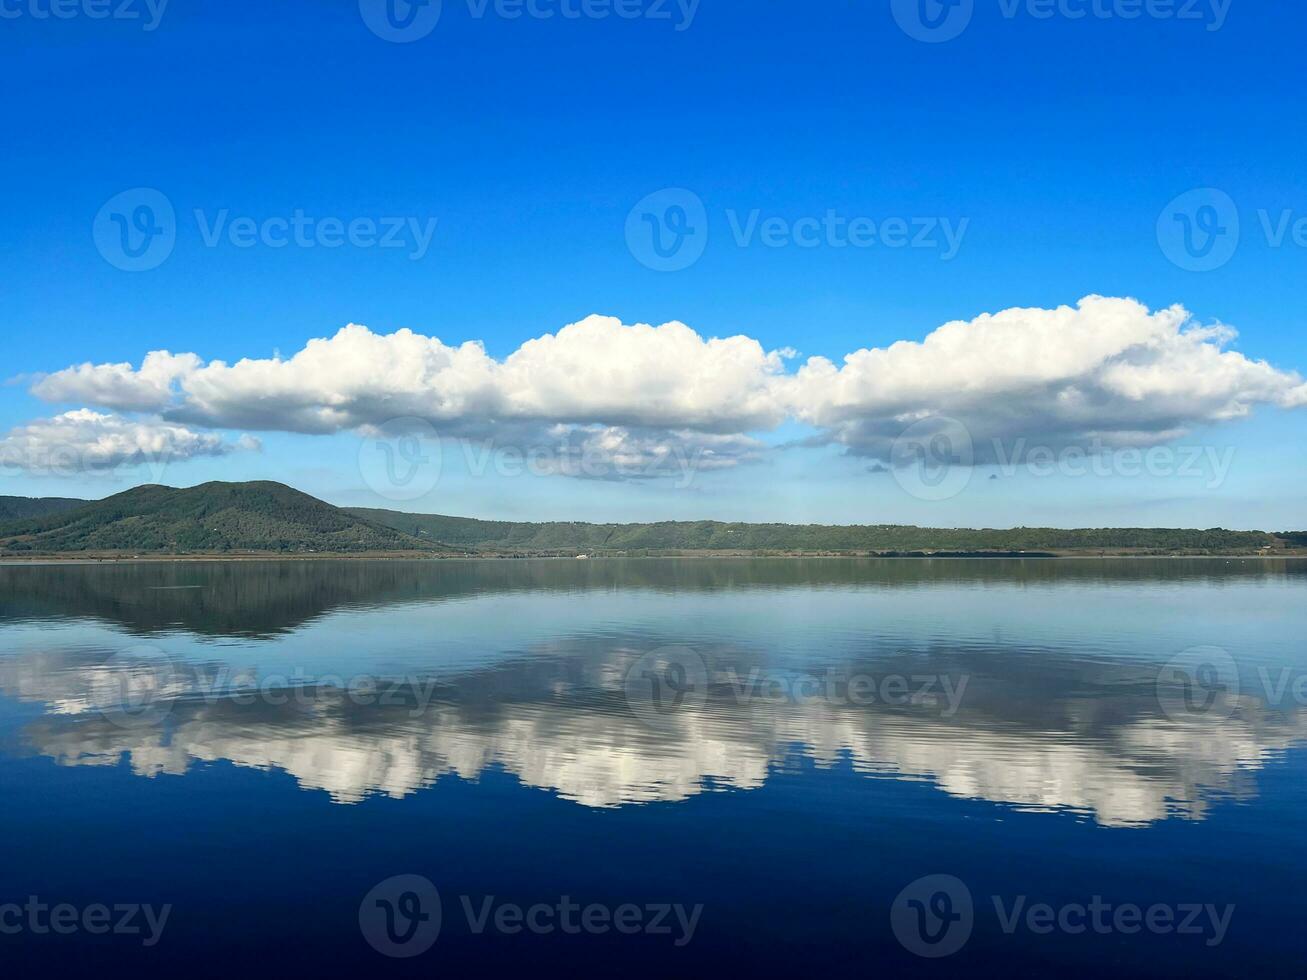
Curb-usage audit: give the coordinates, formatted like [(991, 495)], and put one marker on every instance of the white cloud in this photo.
[(597, 371), (119, 386), (85, 441), (1105, 371)]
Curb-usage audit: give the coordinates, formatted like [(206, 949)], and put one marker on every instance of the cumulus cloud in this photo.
[(86, 441), (597, 371), (1104, 372), (120, 386)]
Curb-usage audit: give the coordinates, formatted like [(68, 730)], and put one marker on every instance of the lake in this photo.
[(667, 767)]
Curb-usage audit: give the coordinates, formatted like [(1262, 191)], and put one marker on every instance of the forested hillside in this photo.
[(23, 508), (222, 518), (214, 518), (714, 536)]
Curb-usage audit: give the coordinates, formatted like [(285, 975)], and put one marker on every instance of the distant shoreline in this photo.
[(69, 559), (264, 520)]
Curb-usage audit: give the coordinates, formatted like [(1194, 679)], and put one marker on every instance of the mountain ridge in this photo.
[(265, 517), (889, 539), (23, 508), (212, 518)]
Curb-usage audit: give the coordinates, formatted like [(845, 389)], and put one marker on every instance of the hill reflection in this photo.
[(267, 598)]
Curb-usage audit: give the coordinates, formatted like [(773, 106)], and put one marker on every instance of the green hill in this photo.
[(22, 508), (501, 537), (210, 519), (221, 518)]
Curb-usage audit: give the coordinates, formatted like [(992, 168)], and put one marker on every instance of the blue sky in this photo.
[(1056, 142)]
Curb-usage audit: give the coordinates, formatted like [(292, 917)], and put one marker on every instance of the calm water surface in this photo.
[(760, 761)]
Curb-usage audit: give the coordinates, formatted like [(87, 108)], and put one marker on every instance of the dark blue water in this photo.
[(658, 767)]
